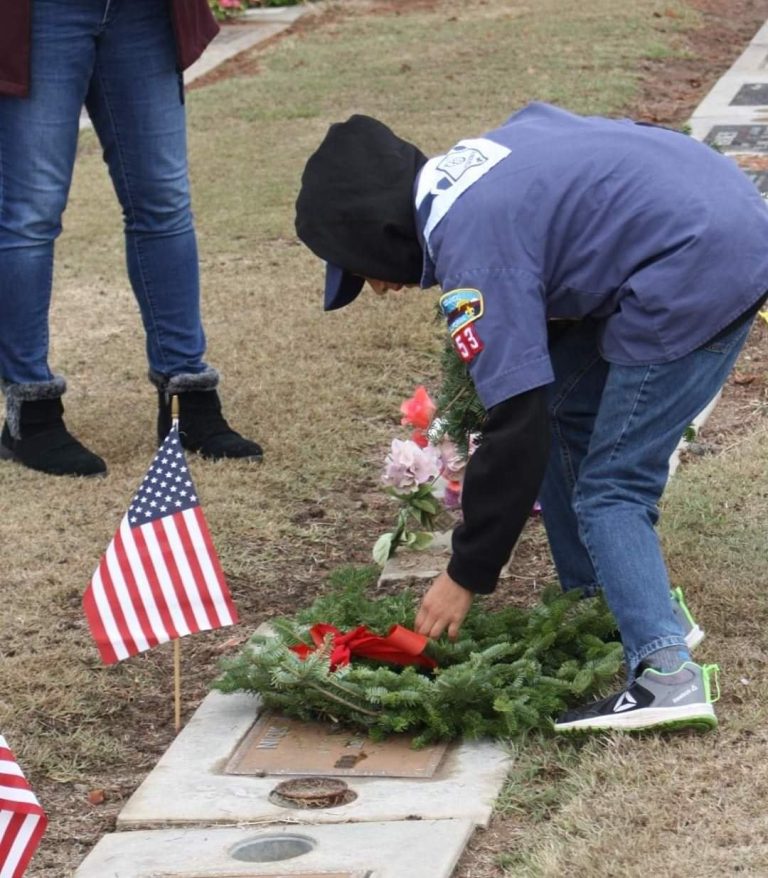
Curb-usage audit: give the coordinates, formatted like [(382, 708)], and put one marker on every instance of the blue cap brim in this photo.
[(341, 287)]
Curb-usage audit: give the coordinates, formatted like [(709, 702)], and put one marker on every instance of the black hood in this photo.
[(355, 207)]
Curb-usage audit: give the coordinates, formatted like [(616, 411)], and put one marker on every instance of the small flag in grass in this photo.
[(22, 820), (160, 577)]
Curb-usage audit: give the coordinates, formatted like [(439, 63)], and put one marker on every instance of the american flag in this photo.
[(22, 820), (160, 577)]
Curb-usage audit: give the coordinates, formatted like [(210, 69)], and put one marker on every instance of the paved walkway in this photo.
[(254, 27)]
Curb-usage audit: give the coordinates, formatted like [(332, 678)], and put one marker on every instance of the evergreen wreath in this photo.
[(508, 672)]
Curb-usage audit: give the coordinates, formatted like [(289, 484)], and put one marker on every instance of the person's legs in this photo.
[(574, 399), (38, 140), (643, 412), (642, 415), (575, 396), (136, 102)]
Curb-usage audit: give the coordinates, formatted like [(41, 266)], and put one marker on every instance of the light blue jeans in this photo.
[(614, 429), (118, 57)]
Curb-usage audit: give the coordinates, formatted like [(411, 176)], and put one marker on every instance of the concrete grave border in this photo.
[(427, 849), (188, 786)]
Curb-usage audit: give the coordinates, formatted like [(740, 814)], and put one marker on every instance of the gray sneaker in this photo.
[(693, 634), (656, 700)]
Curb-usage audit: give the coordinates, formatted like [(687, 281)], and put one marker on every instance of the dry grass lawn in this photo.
[(322, 393)]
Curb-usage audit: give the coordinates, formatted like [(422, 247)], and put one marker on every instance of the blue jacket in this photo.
[(554, 215)]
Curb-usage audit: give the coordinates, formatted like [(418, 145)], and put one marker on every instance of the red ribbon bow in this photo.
[(400, 647)]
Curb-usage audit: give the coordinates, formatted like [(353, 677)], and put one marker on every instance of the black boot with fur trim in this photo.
[(202, 426), (35, 436)]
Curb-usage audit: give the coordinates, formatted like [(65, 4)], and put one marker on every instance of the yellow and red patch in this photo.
[(461, 308)]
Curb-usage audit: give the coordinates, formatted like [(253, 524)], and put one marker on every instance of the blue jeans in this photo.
[(614, 429), (118, 57)]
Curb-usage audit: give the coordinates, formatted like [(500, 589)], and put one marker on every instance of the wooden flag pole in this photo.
[(177, 641)]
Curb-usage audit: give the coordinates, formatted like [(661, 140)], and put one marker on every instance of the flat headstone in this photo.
[(427, 563), (753, 138), (280, 745), (751, 94), (189, 785), (412, 849)]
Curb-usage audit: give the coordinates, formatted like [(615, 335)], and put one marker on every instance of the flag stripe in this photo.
[(134, 575), (22, 820), (167, 605), (164, 564), (9, 828), (161, 585), (182, 575), (209, 561), (111, 599), (7, 836), (102, 622), (14, 844), (24, 834), (191, 547), (115, 601), (127, 594), (9, 770), (180, 614), (14, 794)]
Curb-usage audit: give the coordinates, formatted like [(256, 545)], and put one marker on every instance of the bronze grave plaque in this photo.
[(279, 745)]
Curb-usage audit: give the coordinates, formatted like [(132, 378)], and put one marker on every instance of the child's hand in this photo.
[(444, 605)]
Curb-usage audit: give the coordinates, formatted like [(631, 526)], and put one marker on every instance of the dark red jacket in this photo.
[(193, 24)]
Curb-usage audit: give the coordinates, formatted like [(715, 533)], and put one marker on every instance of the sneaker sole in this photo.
[(698, 716)]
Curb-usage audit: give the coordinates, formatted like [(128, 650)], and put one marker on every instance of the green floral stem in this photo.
[(339, 700)]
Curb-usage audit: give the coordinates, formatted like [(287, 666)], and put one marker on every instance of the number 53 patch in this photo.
[(461, 308)]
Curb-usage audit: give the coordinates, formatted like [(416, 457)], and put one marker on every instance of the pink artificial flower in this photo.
[(419, 410), (408, 466), (230, 4), (453, 462)]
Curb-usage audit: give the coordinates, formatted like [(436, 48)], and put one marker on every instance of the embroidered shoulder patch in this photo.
[(459, 160), (461, 308)]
